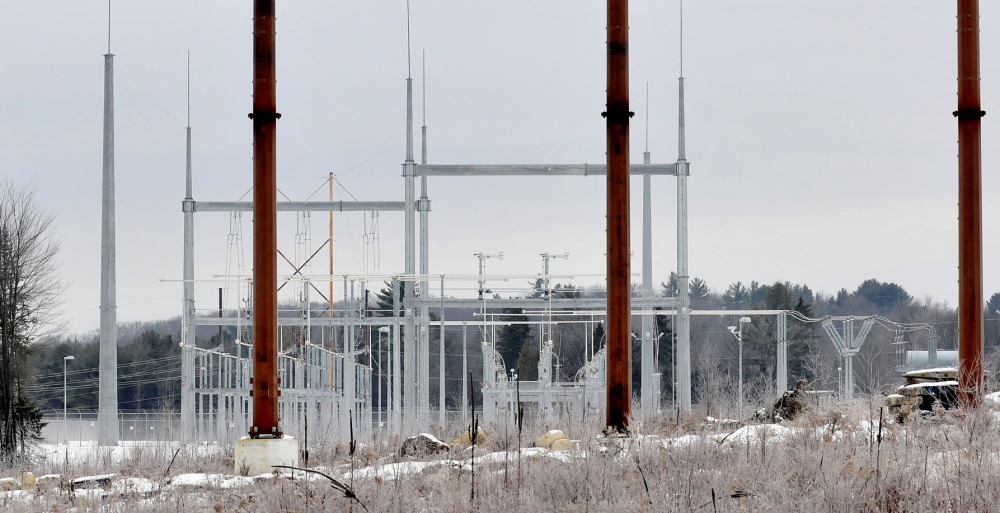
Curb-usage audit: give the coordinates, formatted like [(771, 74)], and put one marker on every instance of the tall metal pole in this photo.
[(619, 354), (66, 360), (970, 217), (648, 363), (441, 401), (187, 316), (411, 396), (683, 362), (265, 229), (465, 370), (423, 206), (330, 314), (107, 418), (739, 339), (397, 404)]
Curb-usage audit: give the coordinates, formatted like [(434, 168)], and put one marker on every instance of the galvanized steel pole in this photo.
[(187, 316), (682, 363), (619, 340), (265, 213), (970, 217), (107, 415)]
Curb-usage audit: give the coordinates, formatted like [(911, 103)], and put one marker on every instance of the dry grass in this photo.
[(834, 459)]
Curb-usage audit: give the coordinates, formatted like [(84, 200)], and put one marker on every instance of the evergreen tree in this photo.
[(384, 301), (670, 288), (512, 338), (736, 296), (884, 296)]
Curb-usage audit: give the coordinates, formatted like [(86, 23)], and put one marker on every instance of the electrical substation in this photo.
[(341, 363)]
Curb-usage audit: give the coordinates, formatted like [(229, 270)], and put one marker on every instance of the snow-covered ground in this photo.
[(827, 457)]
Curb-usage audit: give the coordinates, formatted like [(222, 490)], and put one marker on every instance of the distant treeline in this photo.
[(149, 354)]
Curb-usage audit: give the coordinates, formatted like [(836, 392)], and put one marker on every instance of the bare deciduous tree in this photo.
[(29, 294)]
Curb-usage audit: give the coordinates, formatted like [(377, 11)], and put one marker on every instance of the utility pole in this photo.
[(265, 229), (619, 365), (253, 455), (970, 216)]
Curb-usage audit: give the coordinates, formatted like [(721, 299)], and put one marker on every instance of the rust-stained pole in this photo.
[(970, 216), (619, 341), (265, 217)]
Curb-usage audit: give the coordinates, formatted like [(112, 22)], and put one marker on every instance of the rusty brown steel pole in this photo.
[(619, 332), (970, 216), (265, 227)]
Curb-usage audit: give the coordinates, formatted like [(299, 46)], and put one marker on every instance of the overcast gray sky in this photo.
[(822, 144)]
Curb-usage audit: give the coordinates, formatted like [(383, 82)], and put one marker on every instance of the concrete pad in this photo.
[(254, 457)]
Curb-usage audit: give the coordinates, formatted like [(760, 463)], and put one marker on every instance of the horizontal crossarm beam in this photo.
[(538, 170), (555, 304), (299, 206)]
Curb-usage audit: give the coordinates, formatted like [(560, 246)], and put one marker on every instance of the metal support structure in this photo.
[(737, 332), (441, 345), (302, 206), (970, 216), (412, 399), (265, 216), (107, 418), (539, 170), (546, 330), (423, 207), (848, 344), (188, 312), (465, 372), (397, 387), (649, 365), (619, 332), (683, 363), (781, 377)]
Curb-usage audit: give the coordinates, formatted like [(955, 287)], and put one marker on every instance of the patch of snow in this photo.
[(391, 471), (79, 453), (923, 372), (17, 495), (713, 420), (758, 433), (222, 481), (917, 386), (432, 438), (90, 493), (566, 456), (134, 485), (687, 440)]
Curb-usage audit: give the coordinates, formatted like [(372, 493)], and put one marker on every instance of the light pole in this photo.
[(66, 360), (738, 333), (482, 284), (840, 384), (548, 290), (482, 270)]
